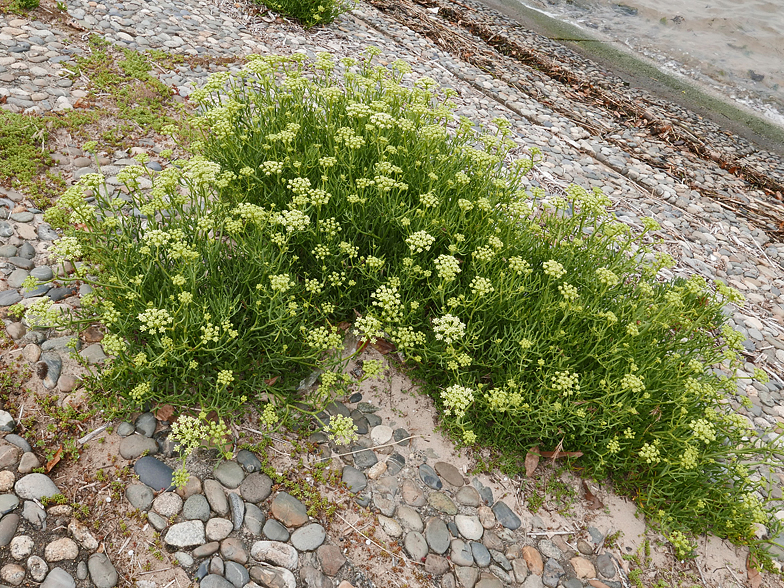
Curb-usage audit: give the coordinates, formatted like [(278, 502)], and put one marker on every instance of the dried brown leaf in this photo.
[(55, 460), (164, 412), (383, 346), (593, 500), (755, 578), (531, 461)]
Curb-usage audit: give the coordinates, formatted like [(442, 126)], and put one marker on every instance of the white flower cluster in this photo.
[(481, 286), (154, 319), (368, 328), (420, 241), (566, 382), (456, 400), (113, 345), (66, 248), (448, 328), (429, 200), (281, 282), (568, 291), (650, 452), (447, 267), (323, 339), (704, 430), (292, 220), (387, 299), (632, 382), (341, 429), (271, 167), (520, 266), (553, 269), (607, 277)]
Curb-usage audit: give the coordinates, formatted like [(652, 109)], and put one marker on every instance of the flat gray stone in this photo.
[(102, 572), (237, 510), (9, 297), (409, 518), (249, 462), (256, 487), (53, 366), (8, 526), (553, 571), (187, 534), (481, 554), (215, 581), (275, 531), (308, 537), (93, 353), (140, 496), (505, 516), (469, 527), (415, 545), (363, 458), (35, 487), (429, 476), (254, 518), (20, 442), (229, 473), (146, 423), (196, 508), (449, 473), (125, 428), (354, 479), (136, 446), (42, 273), (236, 574), (59, 578), (467, 576), (153, 472), (216, 496), (461, 553), (437, 535), (8, 502)]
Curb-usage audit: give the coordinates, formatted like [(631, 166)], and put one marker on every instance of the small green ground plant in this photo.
[(328, 194), (310, 12)]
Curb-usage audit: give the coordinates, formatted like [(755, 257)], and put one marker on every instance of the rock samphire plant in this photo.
[(332, 197)]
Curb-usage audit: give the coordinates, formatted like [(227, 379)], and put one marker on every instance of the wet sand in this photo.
[(641, 72)]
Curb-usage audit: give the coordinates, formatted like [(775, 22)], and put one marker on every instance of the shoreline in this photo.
[(641, 72)]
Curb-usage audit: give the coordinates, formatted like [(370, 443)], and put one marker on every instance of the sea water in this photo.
[(734, 46)]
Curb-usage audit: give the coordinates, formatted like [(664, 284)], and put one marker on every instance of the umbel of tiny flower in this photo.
[(341, 429)]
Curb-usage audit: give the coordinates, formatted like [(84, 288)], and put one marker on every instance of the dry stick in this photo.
[(405, 559), (94, 434), (155, 571), (699, 569), (729, 569), (380, 446)]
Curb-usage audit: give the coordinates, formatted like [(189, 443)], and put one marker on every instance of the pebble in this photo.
[(415, 545), (216, 496), (186, 534), (469, 527), (288, 510), (102, 572), (229, 473), (255, 487), (136, 446), (140, 496), (156, 474), (308, 537), (35, 487)]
